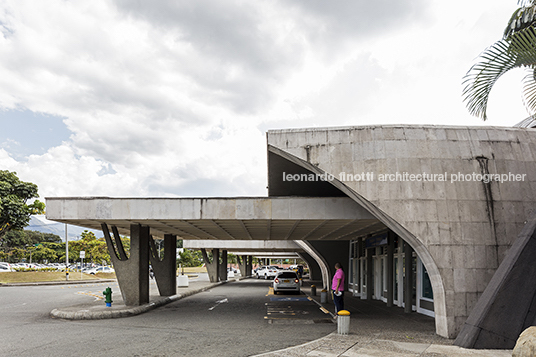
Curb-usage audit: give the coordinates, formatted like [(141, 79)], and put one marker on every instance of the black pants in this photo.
[(339, 302)]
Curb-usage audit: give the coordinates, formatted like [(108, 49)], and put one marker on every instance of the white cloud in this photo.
[(172, 98)]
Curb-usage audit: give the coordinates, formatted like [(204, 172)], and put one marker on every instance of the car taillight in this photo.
[(276, 280)]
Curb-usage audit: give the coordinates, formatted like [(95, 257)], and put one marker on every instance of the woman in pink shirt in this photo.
[(337, 285)]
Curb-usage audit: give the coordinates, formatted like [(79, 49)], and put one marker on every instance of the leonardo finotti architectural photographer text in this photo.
[(406, 177)]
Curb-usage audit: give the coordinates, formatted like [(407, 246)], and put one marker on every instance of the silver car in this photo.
[(286, 281)]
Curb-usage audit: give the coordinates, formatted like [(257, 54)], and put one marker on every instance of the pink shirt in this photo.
[(339, 274)]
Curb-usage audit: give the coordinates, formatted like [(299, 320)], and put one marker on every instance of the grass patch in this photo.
[(42, 276), (192, 270)]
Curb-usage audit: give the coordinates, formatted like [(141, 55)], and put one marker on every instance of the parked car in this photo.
[(5, 268), (286, 281), (267, 272), (94, 271)]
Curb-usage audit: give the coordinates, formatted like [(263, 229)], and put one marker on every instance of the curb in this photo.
[(70, 282), (130, 311), (319, 304)]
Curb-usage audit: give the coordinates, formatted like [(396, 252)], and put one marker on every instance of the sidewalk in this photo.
[(376, 330)]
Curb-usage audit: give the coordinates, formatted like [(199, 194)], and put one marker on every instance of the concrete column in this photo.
[(315, 273), (223, 266), (165, 270), (212, 266), (243, 265), (390, 268), (249, 265), (370, 291), (133, 272), (408, 277)]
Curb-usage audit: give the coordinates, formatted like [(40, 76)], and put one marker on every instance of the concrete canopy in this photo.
[(258, 218)]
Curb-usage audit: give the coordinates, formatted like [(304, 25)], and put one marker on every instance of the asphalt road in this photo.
[(235, 319)]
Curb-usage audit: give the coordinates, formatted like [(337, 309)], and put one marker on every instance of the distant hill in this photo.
[(41, 224)]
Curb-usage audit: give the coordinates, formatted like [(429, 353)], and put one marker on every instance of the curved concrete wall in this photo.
[(463, 227)]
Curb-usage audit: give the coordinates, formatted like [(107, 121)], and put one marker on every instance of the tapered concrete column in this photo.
[(249, 265), (223, 266), (244, 263), (212, 266), (408, 279), (165, 269), (390, 272), (369, 274), (132, 273)]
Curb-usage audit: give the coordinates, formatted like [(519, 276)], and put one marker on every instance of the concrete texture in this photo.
[(132, 272), (254, 218), (508, 305), (268, 246), (165, 269), (461, 230)]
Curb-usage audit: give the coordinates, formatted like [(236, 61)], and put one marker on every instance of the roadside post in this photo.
[(324, 296), (82, 256), (313, 290), (66, 254), (343, 322)]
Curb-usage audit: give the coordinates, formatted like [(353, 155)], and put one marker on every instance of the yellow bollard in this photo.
[(343, 322)]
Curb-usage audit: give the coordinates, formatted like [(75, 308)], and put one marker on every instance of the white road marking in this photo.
[(218, 302)]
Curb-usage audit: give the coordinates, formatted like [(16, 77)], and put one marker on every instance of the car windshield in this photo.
[(287, 275)]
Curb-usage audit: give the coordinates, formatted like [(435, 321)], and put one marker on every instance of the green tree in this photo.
[(26, 240), (517, 49), (42, 253), (96, 250), (190, 258), (14, 194)]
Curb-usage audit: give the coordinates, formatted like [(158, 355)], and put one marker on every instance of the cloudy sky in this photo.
[(173, 98)]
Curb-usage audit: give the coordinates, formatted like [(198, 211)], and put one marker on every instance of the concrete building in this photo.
[(416, 214)]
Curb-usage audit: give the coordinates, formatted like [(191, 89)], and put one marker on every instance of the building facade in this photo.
[(457, 196)]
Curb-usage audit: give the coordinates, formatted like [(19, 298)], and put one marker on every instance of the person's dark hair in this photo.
[(338, 265)]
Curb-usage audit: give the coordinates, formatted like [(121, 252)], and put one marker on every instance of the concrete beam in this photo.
[(243, 245), (262, 218)]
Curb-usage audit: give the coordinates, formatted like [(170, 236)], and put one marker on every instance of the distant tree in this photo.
[(14, 211), (42, 253), (190, 258), (24, 238), (96, 250)]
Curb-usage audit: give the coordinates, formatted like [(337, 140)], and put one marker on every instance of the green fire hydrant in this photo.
[(108, 296)]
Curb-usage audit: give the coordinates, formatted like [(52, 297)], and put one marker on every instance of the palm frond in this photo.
[(518, 51), (479, 80), (529, 91)]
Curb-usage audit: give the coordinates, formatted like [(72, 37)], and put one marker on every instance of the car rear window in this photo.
[(287, 275)]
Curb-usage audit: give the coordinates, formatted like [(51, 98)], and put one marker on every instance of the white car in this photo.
[(94, 271), (267, 272), (286, 281), (5, 267)]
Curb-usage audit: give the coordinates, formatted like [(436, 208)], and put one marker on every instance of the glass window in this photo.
[(426, 285)]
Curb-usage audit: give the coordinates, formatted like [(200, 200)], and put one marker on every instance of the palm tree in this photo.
[(516, 49)]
